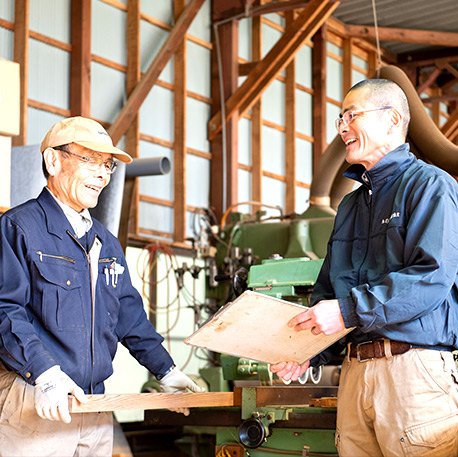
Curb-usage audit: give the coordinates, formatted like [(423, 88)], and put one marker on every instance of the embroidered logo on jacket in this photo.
[(388, 219)]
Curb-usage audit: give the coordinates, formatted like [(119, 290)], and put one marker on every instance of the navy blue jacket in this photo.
[(392, 258), (46, 313)]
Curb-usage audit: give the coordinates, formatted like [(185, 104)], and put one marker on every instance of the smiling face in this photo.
[(369, 137), (71, 181)]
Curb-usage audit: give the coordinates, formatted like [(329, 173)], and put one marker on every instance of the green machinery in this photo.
[(280, 258)]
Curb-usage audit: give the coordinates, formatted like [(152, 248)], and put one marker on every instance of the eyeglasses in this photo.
[(349, 116), (94, 164)]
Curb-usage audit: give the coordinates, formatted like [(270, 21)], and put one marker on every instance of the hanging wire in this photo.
[(377, 40)]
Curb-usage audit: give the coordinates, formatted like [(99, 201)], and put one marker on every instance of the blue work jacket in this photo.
[(47, 316), (392, 258)]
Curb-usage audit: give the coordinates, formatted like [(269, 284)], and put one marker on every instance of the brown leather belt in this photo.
[(376, 349)]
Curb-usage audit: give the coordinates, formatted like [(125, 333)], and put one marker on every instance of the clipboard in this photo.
[(254, 326)]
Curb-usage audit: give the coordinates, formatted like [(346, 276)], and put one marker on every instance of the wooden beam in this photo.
[(224, 164), (338, 28), (347, 69), (80, 64), (290, 129), (141, 91), (319, 58), (450, 128), (125, 402), (441, 98), (429, 80), (179, 149), (452, 70), (21, 56), (305, 26), (426, 58), (403, 35), (256, 120), (435, 108), (130, 202)]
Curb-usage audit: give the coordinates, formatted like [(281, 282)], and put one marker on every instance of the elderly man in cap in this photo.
[(66, 300)]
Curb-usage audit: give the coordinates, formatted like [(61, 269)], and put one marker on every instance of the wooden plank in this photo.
[(306, 24), (256, 120), (141, 91), (80, 64), (179, 150), (319, 98), (290, 132), (403, 35), (324, 402), (123, 402), (21, 56), (231, 330)]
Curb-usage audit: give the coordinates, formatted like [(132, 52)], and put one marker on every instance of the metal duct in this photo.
[(425, 138)]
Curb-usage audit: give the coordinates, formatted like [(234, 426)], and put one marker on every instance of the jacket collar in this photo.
[(56, 221), (388, 168)]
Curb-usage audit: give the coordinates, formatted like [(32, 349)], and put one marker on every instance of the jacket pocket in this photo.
[(437, 437), (58, 286)]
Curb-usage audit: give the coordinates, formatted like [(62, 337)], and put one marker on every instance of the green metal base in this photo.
[(285, 442)]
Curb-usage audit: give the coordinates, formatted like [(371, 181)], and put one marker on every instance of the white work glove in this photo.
[(51, 395), (177, 382)]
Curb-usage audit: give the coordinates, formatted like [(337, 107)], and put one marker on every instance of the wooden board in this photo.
[(324, 402), (254, 327), (118, 402)]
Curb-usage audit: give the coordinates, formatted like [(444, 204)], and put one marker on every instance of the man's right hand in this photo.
[(51, 395), (289, 371)]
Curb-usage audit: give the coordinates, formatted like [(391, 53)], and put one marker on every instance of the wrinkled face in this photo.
[(72, 181), (366, 136)]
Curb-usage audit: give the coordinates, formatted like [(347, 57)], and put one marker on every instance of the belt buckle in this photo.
[(358, 355)]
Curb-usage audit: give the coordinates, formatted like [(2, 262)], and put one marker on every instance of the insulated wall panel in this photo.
[(109, 32), (49, 83), (108, 92)]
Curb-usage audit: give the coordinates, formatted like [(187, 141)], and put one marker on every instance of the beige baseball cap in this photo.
[(85, 132)]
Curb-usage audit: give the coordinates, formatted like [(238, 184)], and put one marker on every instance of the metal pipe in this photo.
[(148, 167)]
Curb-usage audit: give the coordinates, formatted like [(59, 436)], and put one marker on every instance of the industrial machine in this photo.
[(281, 257)]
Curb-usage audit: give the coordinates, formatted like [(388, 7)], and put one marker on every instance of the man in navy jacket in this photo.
[(66, 300), (391, 273)]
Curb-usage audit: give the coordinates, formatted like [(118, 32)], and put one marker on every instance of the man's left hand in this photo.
[(325, 317), (177, 382)]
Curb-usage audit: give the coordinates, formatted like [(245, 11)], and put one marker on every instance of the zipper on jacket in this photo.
[(92, 310), (52, 256), (369, 202)]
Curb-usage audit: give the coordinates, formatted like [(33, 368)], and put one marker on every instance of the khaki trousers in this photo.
[(402, 405), (24, 434)]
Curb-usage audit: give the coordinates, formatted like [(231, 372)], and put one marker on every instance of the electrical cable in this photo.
[(223, 219)]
